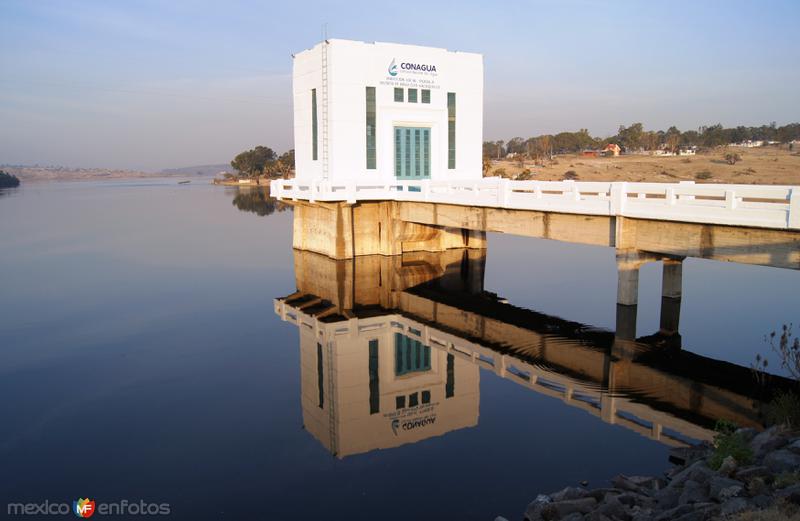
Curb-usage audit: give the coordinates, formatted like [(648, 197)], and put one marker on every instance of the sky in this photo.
[(150, 84)]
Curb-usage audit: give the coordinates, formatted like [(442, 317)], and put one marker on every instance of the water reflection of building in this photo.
[(355, 316), (379, 388)]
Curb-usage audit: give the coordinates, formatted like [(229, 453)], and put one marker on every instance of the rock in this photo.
[(632, 499), (687, 455), (643, 514), (596, 516), (667, 498), (734, 506), (583, 483), (788, 491), (534, 510), (722, 489), (697, 515), (693, 492), (636, 483), (600, 493), (746, 433), (728, 466), (782, 461), (768, 440), (613, 508), (795, 446), (500, 518), (568, 493), (762, 501), (561, 509), (753, 471), (575, 516), (697, 471), (757, 486), (672, 513)]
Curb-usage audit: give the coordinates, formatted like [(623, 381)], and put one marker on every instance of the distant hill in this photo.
[(205, 170)]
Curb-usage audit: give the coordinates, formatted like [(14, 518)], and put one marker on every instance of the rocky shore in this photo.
[(692, 490)]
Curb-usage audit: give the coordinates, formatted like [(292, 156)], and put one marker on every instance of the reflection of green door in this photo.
[(412, 153)]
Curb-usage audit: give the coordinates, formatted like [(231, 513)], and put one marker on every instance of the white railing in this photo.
[(572, 391), (736, 205)]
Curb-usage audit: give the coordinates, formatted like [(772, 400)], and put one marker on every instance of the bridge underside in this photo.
[(343, 231)]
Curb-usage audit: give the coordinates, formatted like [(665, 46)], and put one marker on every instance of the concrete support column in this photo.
[(628, 263), (671, 290)]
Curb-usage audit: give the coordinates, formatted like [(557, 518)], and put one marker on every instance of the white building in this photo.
[(377, 112)]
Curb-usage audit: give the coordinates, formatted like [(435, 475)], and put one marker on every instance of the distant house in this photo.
[(612, 149), (748, 144), (687, 151), (590, 153)]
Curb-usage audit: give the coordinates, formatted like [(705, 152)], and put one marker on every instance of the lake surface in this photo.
[(142, 359)]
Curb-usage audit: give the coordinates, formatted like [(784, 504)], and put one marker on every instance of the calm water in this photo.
[(142, 358)]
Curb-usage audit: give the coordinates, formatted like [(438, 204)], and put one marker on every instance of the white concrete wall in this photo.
[(353, 66)]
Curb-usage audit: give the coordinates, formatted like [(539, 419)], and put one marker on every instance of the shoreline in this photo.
[(700, 487)]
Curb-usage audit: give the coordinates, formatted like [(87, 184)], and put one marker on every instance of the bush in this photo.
[(525, 175), (500, 172), (7, 180), (570, 175), (702, 175), (732, 158), (727, 442), (784, 409)]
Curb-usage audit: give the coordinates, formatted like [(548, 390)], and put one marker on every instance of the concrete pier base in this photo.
[(343, 231)]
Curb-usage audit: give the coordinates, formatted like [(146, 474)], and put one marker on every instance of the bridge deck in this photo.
[(776, 207)]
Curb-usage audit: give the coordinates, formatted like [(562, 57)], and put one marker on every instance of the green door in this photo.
[(412, 153)]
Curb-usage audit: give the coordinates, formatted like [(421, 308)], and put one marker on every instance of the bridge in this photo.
[(437, 300), (642, 222), (776, 207)]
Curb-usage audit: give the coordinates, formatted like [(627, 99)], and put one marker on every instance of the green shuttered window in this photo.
[(398, 94), (426, 96), (412, 95), (314, 124), (451, 130), (371, 156)]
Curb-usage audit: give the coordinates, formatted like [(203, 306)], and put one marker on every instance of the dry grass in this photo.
[(765, 165), (780, 512)]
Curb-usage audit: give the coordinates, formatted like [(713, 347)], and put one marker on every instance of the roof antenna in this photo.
[(325, 32)]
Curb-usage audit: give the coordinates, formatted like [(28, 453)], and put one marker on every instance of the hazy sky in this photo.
[(154, 84)]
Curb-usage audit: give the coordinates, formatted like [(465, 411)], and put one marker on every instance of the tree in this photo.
[(253, 162), (487, 165), (631, 137), (672, 138), (284, 166), (7, 180)]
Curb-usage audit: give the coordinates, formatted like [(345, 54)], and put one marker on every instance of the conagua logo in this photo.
[(410, 425), (393, 68)]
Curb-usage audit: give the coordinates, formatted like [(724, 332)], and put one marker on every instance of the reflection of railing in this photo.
[(623, 411), (738, 205)]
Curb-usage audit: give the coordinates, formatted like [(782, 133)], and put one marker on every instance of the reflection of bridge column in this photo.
[(671, 286)]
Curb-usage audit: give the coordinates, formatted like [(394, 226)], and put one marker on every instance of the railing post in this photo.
[(619, 192), (502, 193), (793, 219), (670, 195), (312, 198), (730, 199), (351, 192)]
